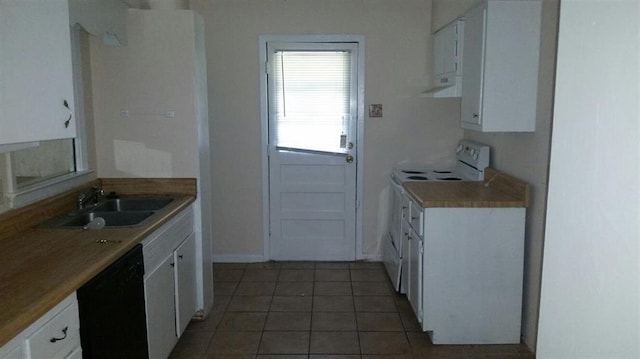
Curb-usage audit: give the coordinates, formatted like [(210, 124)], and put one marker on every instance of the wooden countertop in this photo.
[(497, 190), (39, 267)]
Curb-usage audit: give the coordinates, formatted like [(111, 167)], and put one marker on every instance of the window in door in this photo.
[(312, 90)]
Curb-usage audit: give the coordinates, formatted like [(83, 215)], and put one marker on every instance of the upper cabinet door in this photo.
[(501, 60), (36, 78), (473, 59)]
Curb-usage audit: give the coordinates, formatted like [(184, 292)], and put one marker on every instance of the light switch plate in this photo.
[(375, 110)]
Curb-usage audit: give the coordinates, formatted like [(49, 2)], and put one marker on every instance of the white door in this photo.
[(312, 101)]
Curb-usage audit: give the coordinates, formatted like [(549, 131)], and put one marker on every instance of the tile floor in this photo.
[(315, 310)]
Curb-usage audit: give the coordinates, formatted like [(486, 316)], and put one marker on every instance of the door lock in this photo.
[(350, 145), (349, 159)]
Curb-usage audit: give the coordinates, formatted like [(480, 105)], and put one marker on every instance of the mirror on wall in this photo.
[(31, 166), (50, 159)]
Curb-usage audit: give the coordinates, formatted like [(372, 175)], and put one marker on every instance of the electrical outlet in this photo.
[(375, 110)]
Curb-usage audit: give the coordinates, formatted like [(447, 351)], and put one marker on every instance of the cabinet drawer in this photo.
[(166, 239), (58, 337)]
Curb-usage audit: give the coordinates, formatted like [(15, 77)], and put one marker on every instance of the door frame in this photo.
[(264, 124)]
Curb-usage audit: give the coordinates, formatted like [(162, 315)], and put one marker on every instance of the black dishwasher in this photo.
[(112, 314)]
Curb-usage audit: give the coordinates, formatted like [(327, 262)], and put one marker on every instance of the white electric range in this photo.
[(471, 160)]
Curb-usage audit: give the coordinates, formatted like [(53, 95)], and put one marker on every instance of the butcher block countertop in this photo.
[(497, 190), (39, 267)]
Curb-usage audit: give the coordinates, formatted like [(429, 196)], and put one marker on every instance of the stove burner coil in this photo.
[(418, 178), (412, 172), (441, 172), (450, 179)]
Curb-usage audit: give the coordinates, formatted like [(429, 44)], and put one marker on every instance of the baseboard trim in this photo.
[(372, 257), (237, 258)]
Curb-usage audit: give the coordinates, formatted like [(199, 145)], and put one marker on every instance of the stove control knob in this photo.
[(475, 156), (459, 149), (472, 152)]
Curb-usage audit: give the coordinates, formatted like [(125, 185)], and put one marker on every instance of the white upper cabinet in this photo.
[(447, 61), (101, 18), (36, 81), (501, 51)]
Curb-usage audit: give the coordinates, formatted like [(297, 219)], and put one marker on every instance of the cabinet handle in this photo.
[(172, 264), (475, 115), (180, 256), (64, 331), (66, 123)]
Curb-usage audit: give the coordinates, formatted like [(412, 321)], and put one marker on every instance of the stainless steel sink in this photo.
[(118, 212), (133, 204), (111, 219)]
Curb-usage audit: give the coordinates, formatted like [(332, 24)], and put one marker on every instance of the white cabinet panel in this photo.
[(185, 272), (55, 335), (501, 59), (159, 301), (36, 77)]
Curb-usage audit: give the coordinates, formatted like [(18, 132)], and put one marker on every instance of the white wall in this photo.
[(397, 41), (590, 298), (147, 78)]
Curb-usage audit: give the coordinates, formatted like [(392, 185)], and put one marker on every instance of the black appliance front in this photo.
[(112, 311)]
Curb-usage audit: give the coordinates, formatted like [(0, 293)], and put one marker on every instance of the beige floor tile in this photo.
[(194, 342), (332, 275), (332, 265), (366, 265), (332, 288), (372, 303), (334, 343), (210, 323), (294, 289), (410, 322), (255, 288), (288, 321), (334, 356), (264, 265), (384, 343), (224, 288), (291, 304), (220, 303), (371, 288), (281, 356), (243, 321), (284, 342), (298, 265), (253, 303), (260, 275), (335, 303), (369, 275), (333, 321), (234, 343), (296, 275), (221, 266), (379, 322), (227, 275)]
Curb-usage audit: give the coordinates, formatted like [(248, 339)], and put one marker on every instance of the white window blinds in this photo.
[(312, 90)]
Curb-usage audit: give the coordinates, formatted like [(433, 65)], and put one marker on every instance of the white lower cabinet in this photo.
[(160, 308), (169, 283), (465, 273), (185, 274), (55, 335)]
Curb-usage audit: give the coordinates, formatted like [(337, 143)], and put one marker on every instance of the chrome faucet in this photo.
[(94, 194)]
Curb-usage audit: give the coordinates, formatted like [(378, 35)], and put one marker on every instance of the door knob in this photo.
[(349, 159), (350, 145)]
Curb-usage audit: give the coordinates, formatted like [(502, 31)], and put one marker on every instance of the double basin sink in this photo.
[(117, 212)]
